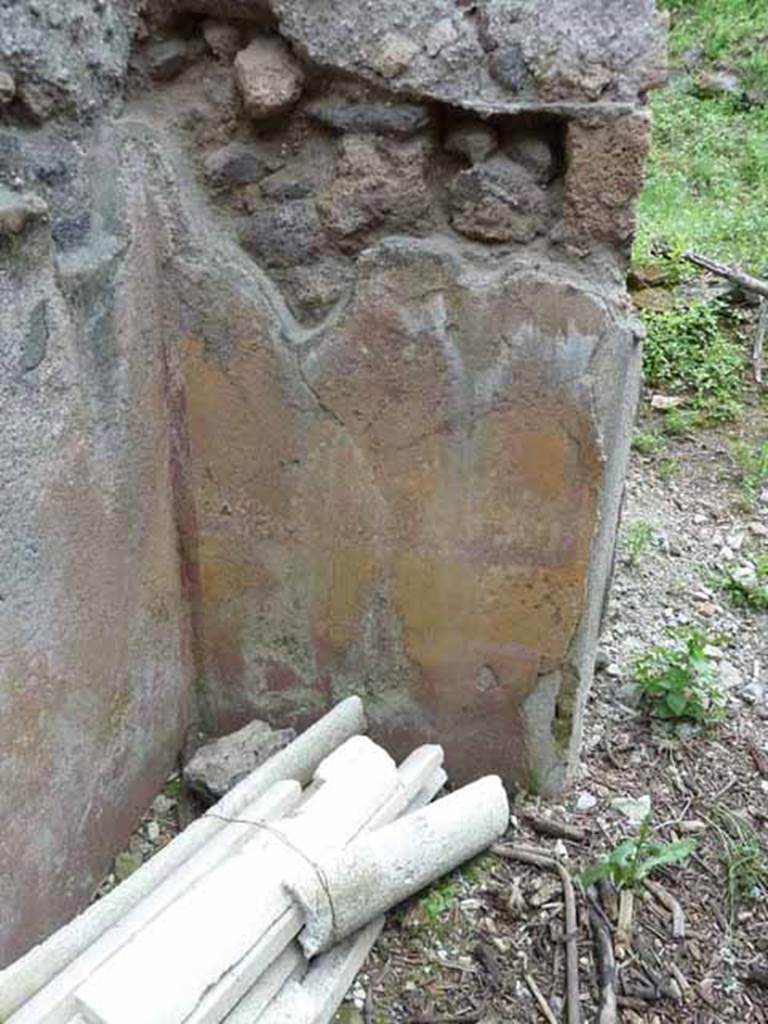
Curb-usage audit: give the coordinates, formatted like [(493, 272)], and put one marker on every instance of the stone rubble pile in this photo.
[(266, 906)]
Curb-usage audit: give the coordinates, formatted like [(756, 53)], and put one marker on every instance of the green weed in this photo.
[(743, 855), (679, 421), (678, 682), (752, 463), (439, 900), (667, 469), (635, 859), (747, 585), (637, 541), (649, 442), (686, 351)]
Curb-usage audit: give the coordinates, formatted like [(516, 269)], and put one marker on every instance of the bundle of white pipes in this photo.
[(263, 909)]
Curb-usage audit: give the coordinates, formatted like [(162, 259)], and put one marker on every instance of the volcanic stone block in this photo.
[(269, 78), (605, 167), (499, 201)]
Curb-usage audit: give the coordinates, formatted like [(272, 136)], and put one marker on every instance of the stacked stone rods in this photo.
[(54, 968), (247, 909)]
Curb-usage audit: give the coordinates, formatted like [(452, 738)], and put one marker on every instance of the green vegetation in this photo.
[(752, 463), (637, 541), (744, 858), (677, 681), (687, 351), (440, 899), (707, 186), (747, 586), (649, 442), (634, 859), (667, 468)]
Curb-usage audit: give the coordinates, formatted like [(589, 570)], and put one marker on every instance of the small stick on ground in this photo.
[(555, 829), (666, 899), (605, 960), (745, 281), (539, 997), (624, 925), (540, 859), (759, 343)]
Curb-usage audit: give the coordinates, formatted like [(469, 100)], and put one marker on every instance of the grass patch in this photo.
[(637, 541), (649, 442), (752, 464), (744, 858), (707, 185), (688, 351)]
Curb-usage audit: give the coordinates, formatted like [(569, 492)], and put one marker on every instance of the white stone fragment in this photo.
[(635, 810)]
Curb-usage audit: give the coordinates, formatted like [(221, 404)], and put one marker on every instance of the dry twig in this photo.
[(759, 343), (539, 858), (555, 829), (605, 960), (624, 924), (745, 281), (666, 899), (539, 997)]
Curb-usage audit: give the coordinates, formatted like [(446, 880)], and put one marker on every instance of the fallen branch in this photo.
[(760, 759), (759, 343), (667, 900), (745, 281), (624, 924), (540, 859), (555, 829), (605, 960), (432, 1018), (539, 997)]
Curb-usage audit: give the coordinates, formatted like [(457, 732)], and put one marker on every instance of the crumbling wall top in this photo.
[(499, 56)]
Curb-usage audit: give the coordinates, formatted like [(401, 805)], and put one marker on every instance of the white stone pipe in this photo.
[(298, 760), (235, 904), (54, 1004), (290, 965), (382, 868), (420, 777), (315, 998)]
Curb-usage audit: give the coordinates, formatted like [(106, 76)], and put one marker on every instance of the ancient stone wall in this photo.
[(318, 377)]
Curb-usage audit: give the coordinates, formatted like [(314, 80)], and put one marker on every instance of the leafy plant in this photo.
[(747, 586), (638, 539), (752, 463), (648, 442), (667, 468), (686, 351), (680, 421), (439, 900), (677, 682), (634, 859), (744, 858)]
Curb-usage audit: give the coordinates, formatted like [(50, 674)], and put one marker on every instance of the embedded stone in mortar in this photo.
[(268, 76)]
